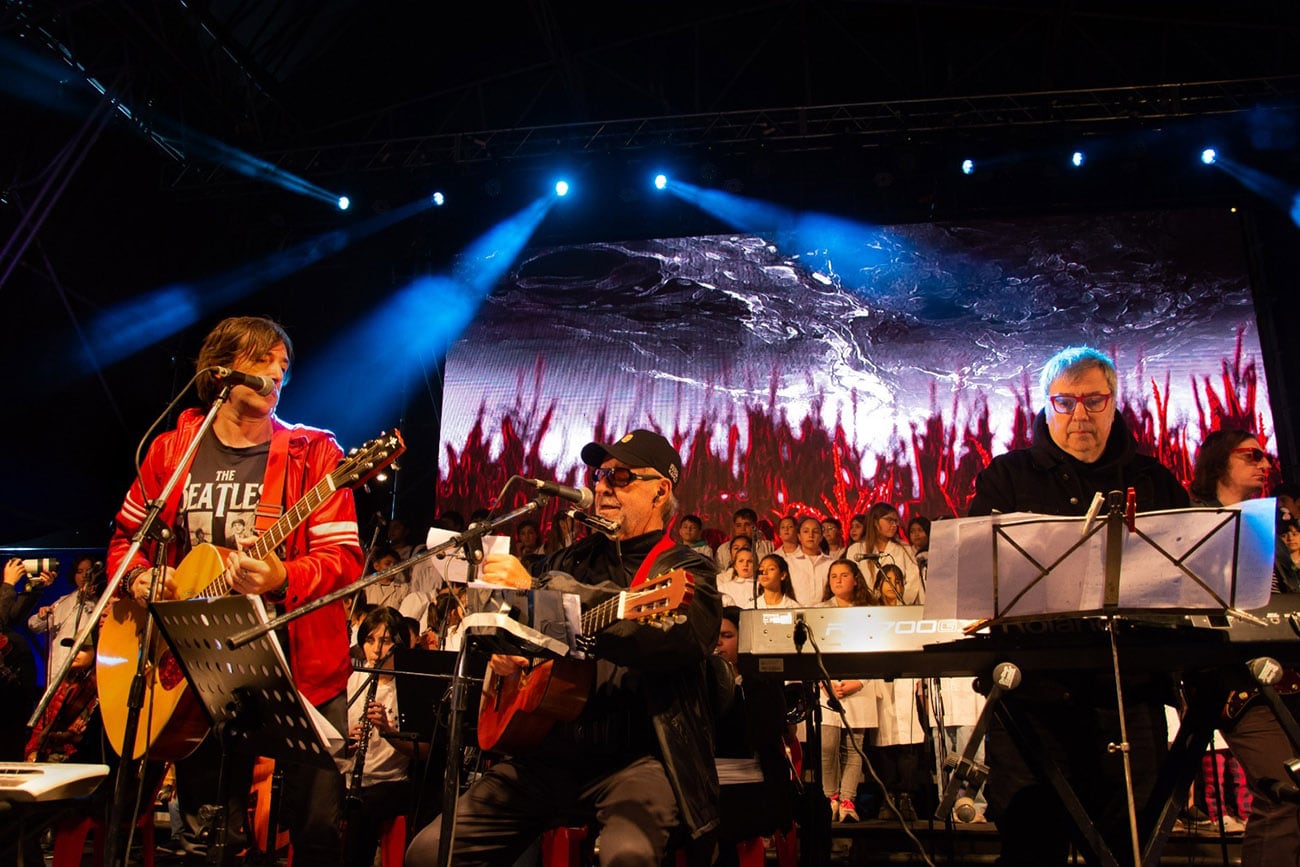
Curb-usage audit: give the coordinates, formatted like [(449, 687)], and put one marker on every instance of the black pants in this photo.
[(311, 800), (1035, 827), (515, 801), (1261, 746)]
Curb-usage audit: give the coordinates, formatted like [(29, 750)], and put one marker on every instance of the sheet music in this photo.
[(1210, 542), (429, 575)]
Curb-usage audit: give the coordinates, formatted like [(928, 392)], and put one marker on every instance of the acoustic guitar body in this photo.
[(172, 719), (518, 711)]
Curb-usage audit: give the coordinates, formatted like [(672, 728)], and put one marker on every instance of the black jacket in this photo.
[(1046, 479), (665, 668)]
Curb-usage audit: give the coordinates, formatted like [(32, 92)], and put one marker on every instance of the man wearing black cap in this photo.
[(638, 760)]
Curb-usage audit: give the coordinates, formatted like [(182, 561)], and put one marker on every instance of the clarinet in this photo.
[(359, 760)]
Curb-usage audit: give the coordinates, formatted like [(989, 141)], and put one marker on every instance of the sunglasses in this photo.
[(1252, 455), (1065, 403), (618, 477)]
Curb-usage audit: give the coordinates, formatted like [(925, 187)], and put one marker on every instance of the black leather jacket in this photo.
[(663, 672)]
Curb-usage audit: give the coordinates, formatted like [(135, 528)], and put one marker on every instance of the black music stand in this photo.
[(488, 632), (247, 691), (1043, 568)]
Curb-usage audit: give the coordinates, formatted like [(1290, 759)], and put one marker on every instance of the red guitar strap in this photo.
[(271, 503), (643, 574)]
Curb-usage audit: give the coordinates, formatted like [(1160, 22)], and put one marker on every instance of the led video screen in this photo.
[(796, 376)]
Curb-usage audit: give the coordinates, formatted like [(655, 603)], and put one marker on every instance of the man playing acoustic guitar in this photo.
[(637, 759), (251, 462)]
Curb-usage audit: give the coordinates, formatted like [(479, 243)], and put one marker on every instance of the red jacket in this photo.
[(321, 555)]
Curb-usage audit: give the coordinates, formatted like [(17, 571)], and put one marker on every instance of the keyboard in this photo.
[(48, 781)]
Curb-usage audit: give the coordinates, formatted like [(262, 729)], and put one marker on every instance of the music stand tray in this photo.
[(249, 685)]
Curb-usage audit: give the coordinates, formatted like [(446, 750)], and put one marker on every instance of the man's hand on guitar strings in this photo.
[(253, 577)]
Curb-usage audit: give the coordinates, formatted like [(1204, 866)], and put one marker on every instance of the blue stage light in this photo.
[(561, 188), (1208, 156), (967, 167), (344, 203), (661, 181), (439, 199), (1076, 159)]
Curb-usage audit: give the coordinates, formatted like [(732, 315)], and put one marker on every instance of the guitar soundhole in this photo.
[(170, 674)]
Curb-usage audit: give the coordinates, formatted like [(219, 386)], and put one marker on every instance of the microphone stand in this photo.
[(471, 540), (153, 529), (370, 555)]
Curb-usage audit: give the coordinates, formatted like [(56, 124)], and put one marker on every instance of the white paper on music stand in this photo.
[(452, 567), (960, 577)]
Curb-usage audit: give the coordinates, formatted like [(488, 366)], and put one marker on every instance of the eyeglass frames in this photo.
[(618, 477), (1065, 403)]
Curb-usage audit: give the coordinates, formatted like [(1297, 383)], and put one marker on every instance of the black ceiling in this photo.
[(386, 100)]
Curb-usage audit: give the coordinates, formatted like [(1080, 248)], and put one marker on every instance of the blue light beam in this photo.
[(138, 323), (834, 246), (376, 362)]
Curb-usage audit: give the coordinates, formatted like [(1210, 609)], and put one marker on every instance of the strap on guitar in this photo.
[(643, 573), (270, 503)]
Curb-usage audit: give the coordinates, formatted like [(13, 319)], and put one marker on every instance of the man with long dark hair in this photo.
[(1232, 466), (251, 461)]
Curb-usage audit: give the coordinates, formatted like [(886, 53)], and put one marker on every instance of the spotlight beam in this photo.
[(415, 326), (837, 247), (39, 80), (146, 319)]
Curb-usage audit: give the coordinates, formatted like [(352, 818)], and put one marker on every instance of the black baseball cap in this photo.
[(639, 448)]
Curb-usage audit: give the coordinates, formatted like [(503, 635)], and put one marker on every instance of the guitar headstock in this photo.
[(660, 600), (365, 462)]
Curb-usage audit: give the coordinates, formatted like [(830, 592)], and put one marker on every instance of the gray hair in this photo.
[(1073, 361), (669, 507)]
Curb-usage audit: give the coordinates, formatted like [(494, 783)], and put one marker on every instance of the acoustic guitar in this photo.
[(172, 722), (517, 712)]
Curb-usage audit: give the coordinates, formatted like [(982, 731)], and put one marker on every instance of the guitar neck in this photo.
[(277, 532), (656, 600), (602, 615)]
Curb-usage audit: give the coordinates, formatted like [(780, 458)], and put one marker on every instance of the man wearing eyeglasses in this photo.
[(1081, 447), (638, 759)]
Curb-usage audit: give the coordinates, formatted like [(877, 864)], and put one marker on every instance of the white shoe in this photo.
[(835, 808), (1233, 825), (848, 813)]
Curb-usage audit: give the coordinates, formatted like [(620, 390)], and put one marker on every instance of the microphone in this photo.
[(263, 385), (1265, 670), (964, 810), (582, 496), (874, 558), (1006, 675)]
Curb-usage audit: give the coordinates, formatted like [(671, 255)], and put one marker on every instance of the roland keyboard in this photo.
[(897, 641), (48, 781)]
